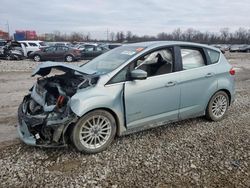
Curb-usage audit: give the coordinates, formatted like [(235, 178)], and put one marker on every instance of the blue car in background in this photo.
[(127, 89)]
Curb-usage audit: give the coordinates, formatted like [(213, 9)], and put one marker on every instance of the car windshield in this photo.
[(112, 59)]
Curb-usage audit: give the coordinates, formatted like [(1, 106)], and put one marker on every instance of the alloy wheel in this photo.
[(37, 58), (69, 58), (95, 132), (219, 106)]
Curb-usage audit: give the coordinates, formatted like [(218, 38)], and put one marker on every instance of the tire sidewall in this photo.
[(66, 58), (209, 112), (35, 58), (75, 133)]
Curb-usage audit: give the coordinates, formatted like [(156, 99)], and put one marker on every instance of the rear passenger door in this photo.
[(197, 81), (60, 51)]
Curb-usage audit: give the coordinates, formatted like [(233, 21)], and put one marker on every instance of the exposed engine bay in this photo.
[(46, 112)]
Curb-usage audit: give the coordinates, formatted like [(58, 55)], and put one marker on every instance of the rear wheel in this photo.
[(69, 58), (217, 106), (37, 58), (94, 132)]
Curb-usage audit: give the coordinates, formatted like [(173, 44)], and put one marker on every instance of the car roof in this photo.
[(30, 41), (153, 44)]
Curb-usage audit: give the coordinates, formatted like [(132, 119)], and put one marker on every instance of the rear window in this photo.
[(213, 55)]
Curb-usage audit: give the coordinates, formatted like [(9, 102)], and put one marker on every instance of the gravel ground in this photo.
[(190, 153)]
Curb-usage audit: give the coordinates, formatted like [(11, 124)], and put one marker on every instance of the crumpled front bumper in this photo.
[(25, 135), (32, 136)]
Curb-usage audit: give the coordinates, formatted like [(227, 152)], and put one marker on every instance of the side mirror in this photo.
[(138, 74)]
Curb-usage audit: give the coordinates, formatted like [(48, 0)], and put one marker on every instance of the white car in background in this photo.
[(32, 45)]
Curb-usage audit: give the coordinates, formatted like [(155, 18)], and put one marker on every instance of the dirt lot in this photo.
[(194, 152)]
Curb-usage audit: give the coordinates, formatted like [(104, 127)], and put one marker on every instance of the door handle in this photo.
[(209, 75), (171, 83)]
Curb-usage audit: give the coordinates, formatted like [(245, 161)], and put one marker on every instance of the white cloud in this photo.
[(140, 16)]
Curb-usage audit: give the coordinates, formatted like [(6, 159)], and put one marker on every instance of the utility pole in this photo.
[(107, 34), (8, 29)]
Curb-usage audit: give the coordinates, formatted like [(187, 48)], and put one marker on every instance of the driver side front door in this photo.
[(153, 101)]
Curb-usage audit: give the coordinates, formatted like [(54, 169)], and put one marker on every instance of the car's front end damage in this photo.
[(45, 113)]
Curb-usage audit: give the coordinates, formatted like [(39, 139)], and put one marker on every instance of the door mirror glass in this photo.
[(138, 74)]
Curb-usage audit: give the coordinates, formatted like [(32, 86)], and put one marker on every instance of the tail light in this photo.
[(232, 71)]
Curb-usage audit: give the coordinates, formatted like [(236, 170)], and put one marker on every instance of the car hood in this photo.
[(44, 69)]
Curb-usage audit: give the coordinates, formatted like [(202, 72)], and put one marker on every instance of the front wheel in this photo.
[(37, 58), (217, 106), (94, 132)]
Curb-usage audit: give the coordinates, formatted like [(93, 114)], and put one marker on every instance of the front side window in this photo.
[(62, 48), (50, 49), (98, 49), (191, 58), (156, 63), (89, 48)]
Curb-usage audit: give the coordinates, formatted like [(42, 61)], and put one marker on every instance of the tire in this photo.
[(217, 106), (8, 57), (37, 58), (69, 58), (94, 132), (248, 51)]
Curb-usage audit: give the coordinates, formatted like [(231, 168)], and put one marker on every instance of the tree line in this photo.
[(224, 36)]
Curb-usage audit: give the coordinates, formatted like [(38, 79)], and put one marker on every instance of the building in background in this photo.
[(25, 35), (4, 35)]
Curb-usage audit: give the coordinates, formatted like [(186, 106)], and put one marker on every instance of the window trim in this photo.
[(208, 57), (174, 69), (200, 49)]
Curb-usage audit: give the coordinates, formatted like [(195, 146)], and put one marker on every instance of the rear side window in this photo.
[(32, 44), (213, 55), (191, 58)]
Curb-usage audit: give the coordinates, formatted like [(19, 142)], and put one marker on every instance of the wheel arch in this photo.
[(119, 128)]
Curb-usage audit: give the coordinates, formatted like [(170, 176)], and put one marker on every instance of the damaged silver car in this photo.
[(127, 89)]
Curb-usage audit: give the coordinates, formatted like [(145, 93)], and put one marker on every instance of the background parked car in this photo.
[(90, 51), (244, 48), (113, 45), (56, 53), (33, 45), (234, 48), (12, 50)]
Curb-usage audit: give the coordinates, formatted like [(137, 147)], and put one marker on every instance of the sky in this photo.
[(142, 17)]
